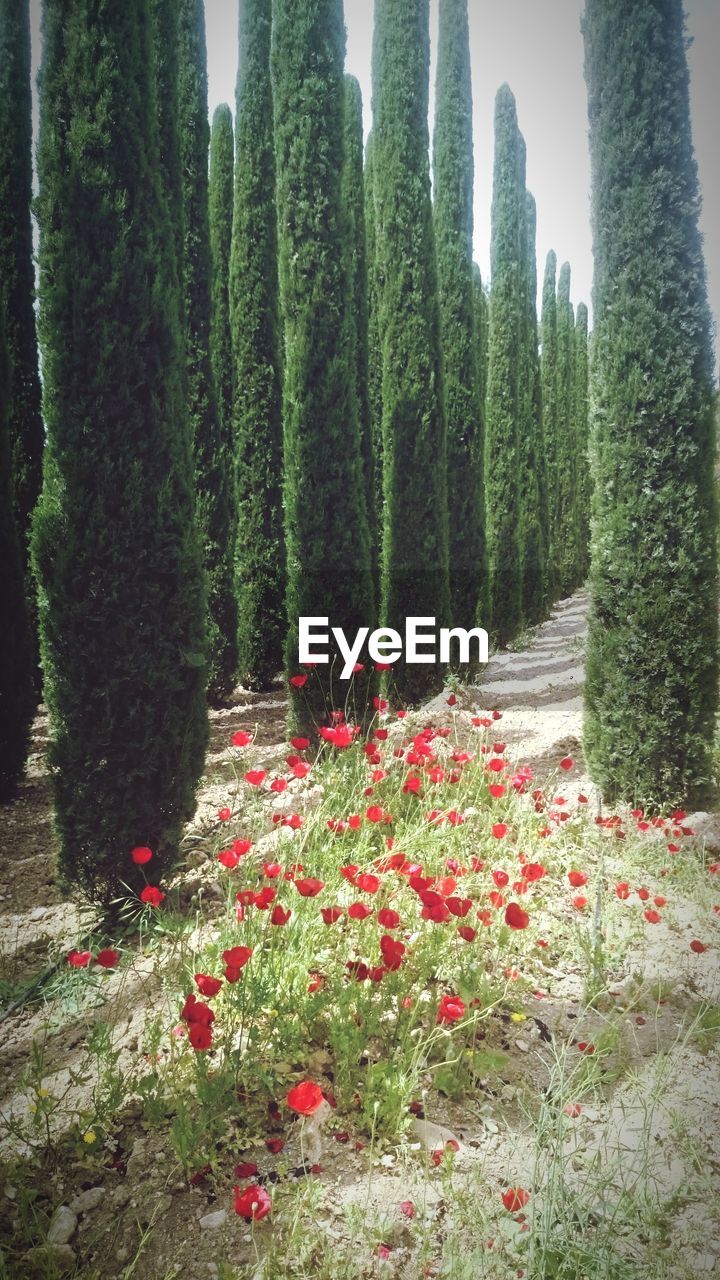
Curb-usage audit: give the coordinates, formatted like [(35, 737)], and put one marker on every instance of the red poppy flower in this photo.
[(577, 879), (253, 1203), (224, 814), (407, 1208), (309, 888), (566, 762), (79, 959), (151, 895), (359, 911), (200, 1036), (300, 769), (206, 985), (235, 960), (331, 915), (579, 902), (697, 946), (652, 916), (500, 877), (274, 1145), (278, 785), (300, 744), (388, 918), (305, 1098), (298, 681), (499, 830), (515, 1198), (467, 933), (195, 1010), (280, 915), (242, 738), (367, 882), (255, 777), (533, 871), (573, 1110), (374, 813), (246, 1169), (496, 899), (392, 952), (141, 855), (516, 917), (622, 890), (108, 957), (450, 1009)]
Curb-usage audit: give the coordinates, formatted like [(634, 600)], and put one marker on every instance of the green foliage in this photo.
[(580, 411), (530, 442), (255, 326), (164, 25), (114, 541), (221, 216), (481, 331), (415, 536), (453, 220), (549, 390), (328, 543), (212, 446), (652, 674), (502, 430), (17, 284), (374, 390), (17, 696), (566, 463), (353, 202)]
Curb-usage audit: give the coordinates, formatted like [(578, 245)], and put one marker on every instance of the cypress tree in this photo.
[(17, 280), (453, 220), (549, 395), (566, 471), (652, 675), (415, 560), (213, 458), (328, 542), (534, 488), (480, 316), (374, 362), (353, 201), (507, 317), (580, 407), (480, 299), (257, 386), (164, 25), (114, 541), (17, 694), (221, 214)]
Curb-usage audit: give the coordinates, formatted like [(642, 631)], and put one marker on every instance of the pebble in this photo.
[(88, 1200), (522, 1045), (62, 1225), (212, 1221), (38, 913)]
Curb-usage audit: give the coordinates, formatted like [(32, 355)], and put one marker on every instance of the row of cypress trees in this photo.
[(266, 390)]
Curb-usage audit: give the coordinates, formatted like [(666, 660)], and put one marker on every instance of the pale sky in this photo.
[(536, 46)]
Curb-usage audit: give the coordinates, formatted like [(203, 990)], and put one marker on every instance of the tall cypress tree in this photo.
[(17, 280), (165, 39), (17, 694), (453, 209), (566, 473), (213, 457), (549, 389), (114, 541), (481, 332), (328, 541), (257, 391), (375, 371), (534, 487), (415, 564), (353, 200), (580, 409), (507, 317), (221, 215), (652, 675)]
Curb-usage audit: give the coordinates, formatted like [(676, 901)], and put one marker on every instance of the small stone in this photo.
[(88, 1200), (522, 1045), (62, 1225), (212, 1221), (38, 913)]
